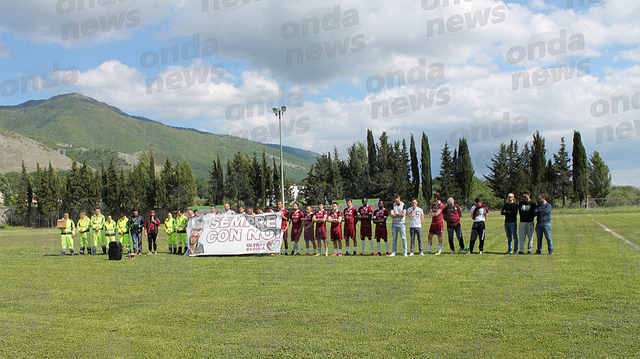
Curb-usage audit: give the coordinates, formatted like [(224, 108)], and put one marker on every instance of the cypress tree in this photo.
[(425, 163), (580, 175)]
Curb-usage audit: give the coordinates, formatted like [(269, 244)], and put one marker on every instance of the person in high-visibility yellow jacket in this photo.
[(181, 229), (170, 228), (66, 235), (84, 226), (97, 224), (123, 232), (110, 230)]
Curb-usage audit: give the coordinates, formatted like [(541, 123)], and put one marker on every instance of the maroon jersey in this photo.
[(364, 214), (296, 219), (381, 215), (335, 215), (320, 215), (308, 226), (350, 217), (285, 218), (434, 208), (452, 215)]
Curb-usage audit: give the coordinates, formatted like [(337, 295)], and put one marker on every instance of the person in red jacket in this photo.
[(452, 214), (151, 226)]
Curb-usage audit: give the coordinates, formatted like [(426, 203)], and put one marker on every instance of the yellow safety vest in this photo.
[(97, 221), (181, 223), (169, 223), (110, 230), (123, 225), (83, 224), (70, 229)]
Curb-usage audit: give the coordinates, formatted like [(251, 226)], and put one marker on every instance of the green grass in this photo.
[(580, 302)]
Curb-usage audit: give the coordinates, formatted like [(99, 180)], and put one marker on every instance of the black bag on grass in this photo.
[(115, 251)]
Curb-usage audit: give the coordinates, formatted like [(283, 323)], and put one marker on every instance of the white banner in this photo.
[(224, 234)]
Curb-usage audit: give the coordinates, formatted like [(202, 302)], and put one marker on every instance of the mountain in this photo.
[(16, 148), (85, 129)]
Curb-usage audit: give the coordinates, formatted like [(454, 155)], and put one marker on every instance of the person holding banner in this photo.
[(285, 223), (296, 230), (181, 231), (308, 231), (228, 210), (335, 217), (319, 218)]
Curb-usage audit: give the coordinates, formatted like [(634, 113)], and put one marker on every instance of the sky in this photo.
[(489, 71)]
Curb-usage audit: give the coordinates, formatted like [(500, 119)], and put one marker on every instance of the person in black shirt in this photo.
[(510, 213), (527, 208), (136, 222)]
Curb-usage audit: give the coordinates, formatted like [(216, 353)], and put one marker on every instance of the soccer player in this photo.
[(285, 223), (308, 231), (319, 218), (84, 226), (380, 216), (416, 217), (510, 213), (452, 214), (335, 218), (527, 209), (350, 218), (479, 213), (365, 213), (436, 223), (66, 235), (398, 212), (296, 228)]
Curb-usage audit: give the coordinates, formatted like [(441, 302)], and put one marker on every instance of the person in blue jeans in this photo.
[(398, 213), (510, 213), (543, 224)]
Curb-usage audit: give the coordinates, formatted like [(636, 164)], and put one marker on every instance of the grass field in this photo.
[(584, 301)]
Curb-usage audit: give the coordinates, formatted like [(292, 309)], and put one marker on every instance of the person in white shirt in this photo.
[(398, 212), (479, 213), (416, 217)]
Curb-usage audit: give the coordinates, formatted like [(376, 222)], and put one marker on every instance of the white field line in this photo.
[(617, 235)]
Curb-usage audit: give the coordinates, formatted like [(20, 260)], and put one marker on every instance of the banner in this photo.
[(224, 234)]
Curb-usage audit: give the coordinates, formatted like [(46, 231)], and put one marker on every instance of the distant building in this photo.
[(295, 190), (1, 198)]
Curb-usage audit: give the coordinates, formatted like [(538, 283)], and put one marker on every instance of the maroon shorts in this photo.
[(321, 233), (381, 232), (295, 234), (436, 228), (349, 232), (336, 234), (308, 234), (365, 230)]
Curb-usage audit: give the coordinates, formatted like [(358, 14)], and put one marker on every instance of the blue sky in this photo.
[(445, 67)]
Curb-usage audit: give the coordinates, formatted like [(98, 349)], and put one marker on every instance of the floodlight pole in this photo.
[(278, 112)]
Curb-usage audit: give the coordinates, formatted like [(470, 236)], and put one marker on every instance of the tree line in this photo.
[(380, 169)]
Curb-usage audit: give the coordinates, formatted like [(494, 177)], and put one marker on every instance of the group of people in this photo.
[(311, 226), (129, 231)]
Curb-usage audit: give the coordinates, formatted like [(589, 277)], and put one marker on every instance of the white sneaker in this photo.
[(421, 253), (410, 254), (149, 253), (155, 252), (393, 254), (480, 252), (405, 254), (438, 253), (453, 252)]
